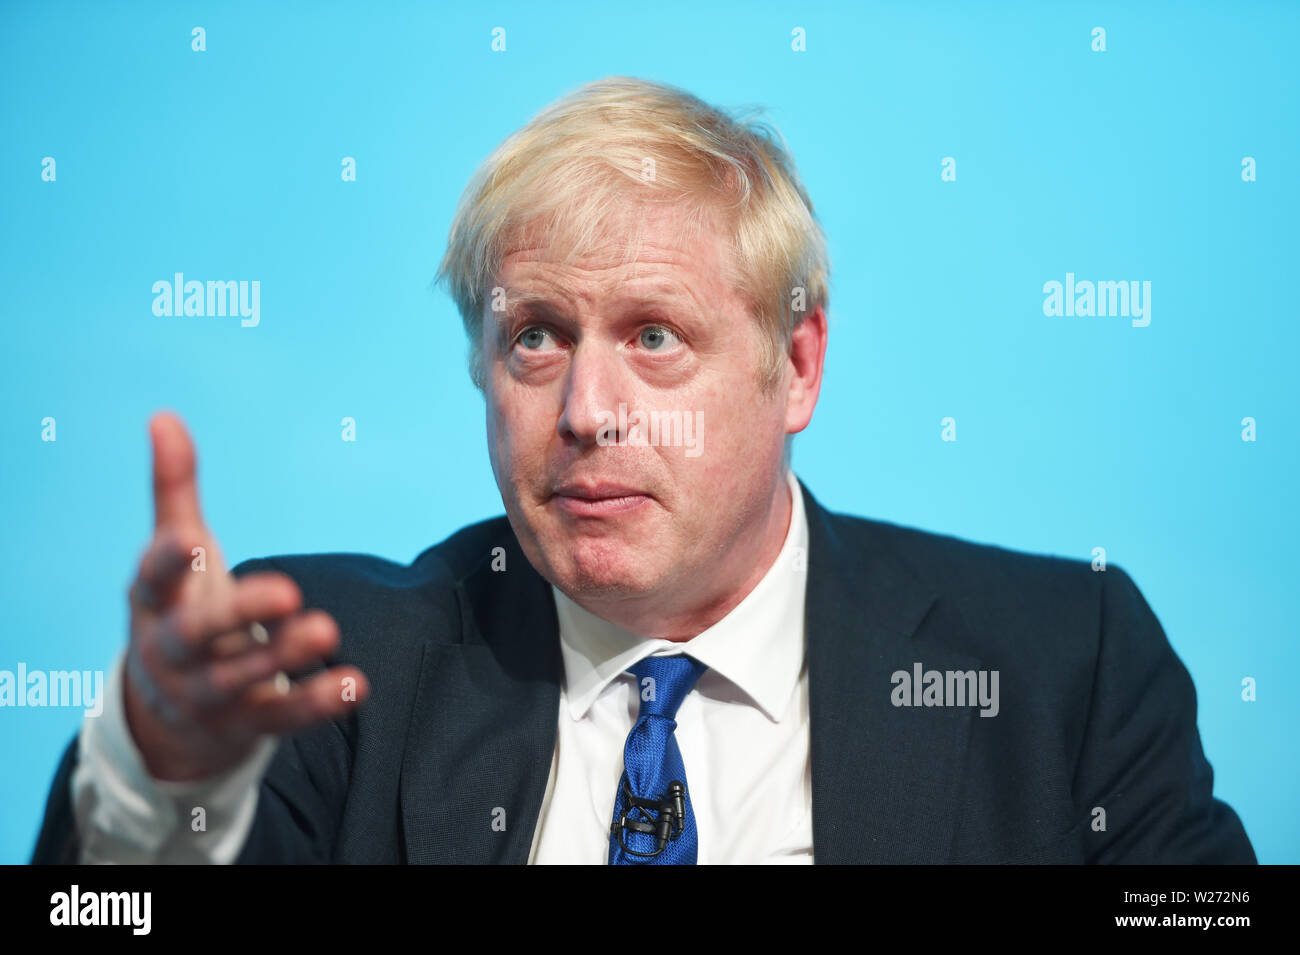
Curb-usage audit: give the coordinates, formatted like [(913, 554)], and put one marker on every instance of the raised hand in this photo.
[(204, 675)]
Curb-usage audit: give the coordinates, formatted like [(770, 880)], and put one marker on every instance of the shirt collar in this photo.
[(758, 646)]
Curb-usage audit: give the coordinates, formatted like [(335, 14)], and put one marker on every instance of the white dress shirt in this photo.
[(743, 729), (743, 732)]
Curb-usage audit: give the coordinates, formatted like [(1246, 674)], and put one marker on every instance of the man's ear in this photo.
[(807, 354)]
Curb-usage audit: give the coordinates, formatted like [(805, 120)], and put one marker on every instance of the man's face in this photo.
[(620, 525)]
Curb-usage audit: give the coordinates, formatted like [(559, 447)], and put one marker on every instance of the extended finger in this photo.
[(299, 643), (175, 485), (324, 696)]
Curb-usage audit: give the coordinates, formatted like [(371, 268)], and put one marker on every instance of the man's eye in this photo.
[(658, 338), (536, 339)]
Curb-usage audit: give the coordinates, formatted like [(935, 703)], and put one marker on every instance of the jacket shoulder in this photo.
[(362, 588), (994, 601), (950, 564)]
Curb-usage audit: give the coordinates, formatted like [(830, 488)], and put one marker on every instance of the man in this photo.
[(667, 651)]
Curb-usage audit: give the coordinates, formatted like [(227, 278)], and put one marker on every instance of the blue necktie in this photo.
[(652, 810)]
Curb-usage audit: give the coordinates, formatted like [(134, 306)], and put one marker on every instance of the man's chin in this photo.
[(605, 568)]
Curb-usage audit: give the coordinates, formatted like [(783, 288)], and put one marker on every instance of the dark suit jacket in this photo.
[(1095, 710)]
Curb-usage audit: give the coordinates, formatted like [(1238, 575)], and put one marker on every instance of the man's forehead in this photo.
[(690, 274), (632, 254), (628, 244), (636, 291)]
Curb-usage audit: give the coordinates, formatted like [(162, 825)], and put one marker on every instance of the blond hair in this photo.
[(577, 163)]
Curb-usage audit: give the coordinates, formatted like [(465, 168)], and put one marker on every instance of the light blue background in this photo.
[(1072, 433)]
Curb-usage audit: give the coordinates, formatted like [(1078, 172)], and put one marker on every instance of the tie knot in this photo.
[(663, 683)]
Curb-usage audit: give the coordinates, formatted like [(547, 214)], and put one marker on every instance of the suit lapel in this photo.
[(483, 727), (884, 779)]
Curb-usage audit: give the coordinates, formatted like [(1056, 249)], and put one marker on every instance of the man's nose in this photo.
[(593, 390)]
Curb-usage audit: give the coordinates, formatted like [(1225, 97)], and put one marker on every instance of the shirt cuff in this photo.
[(124, 815)]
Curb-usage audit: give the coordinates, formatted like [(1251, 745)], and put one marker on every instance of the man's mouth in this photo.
[(599, 499)]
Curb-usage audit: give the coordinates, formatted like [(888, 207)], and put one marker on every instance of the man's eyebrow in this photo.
[(516, 296), (520, 300)]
